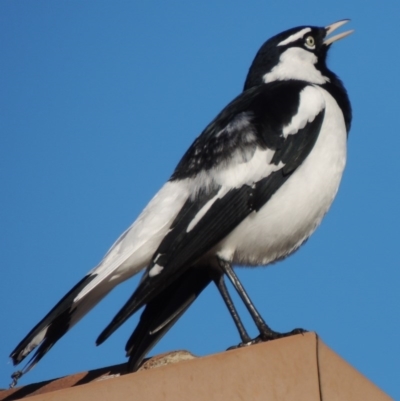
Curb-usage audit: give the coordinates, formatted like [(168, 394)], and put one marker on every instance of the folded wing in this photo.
[(242, 158)]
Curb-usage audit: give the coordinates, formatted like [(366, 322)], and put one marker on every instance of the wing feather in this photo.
[(164, 310), (248, 136)]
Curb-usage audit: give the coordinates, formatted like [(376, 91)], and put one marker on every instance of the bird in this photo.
[(250, 190)]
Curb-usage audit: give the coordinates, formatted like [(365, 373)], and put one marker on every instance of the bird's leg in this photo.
[(266, 333), (220, 283), (258, 320)]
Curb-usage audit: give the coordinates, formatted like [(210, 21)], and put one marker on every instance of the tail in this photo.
[(162, 312), (57, 322)]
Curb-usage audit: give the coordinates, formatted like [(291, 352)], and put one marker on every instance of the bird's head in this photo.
[(298, 53)]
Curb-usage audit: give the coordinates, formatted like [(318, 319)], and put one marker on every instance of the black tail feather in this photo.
[(162, 312), (57, 322), (56, 330)]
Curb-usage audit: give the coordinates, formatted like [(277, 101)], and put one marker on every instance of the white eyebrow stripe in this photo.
[(294, 37)]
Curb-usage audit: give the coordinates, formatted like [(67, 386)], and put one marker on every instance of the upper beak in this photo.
[(333, 27)]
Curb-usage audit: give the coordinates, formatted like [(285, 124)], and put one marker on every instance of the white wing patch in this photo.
[(234, 175), (294, 37), (200, 214), (135, 247), (311, 104), (156, 269)]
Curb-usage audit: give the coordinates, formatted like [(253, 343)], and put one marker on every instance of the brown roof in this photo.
[(296, 368)]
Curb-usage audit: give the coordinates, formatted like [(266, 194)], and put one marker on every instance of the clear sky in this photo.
[(100, 99)]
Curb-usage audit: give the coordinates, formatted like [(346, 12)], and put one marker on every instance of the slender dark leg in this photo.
[(232, 310), (265, 331)]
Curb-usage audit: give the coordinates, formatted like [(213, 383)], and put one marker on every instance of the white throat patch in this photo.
[(296, 63), (294, 37)]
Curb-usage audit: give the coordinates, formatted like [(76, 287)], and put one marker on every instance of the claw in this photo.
[(251, 342), (268, 336), (273, 335), (15, 376)]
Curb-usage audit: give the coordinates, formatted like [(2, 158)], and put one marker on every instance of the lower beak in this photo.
[(331, 28)]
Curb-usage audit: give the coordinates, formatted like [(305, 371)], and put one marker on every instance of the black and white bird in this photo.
[(249, 191)]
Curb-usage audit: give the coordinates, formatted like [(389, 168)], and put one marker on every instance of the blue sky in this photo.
[(100, 99)]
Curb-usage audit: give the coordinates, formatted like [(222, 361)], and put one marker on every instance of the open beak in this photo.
[(331, 28)]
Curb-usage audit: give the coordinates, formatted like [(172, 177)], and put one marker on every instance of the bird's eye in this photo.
[(310, 42)]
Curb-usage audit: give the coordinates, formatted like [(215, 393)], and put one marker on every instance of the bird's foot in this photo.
[(245, 344), (268, 335)]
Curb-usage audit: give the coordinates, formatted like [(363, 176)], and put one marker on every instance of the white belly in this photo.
[(297, 208)]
